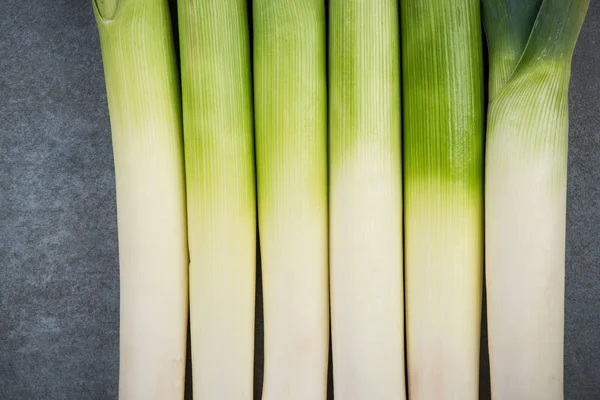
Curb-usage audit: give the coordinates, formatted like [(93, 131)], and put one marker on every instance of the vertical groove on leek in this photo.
[(526, 172), (367, 304), (291, 156), (443, 195), (143, 99), (219, 150)]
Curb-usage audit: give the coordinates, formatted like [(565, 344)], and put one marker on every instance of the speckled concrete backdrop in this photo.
[(58, 235)]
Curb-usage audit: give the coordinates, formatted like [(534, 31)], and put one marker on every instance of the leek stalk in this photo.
[(367, 301), (219, 159), (526, 176), (443, 189), (291, 156), (143, 99)]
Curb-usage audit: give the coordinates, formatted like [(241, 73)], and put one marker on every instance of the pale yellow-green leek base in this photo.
[(525, 279), (367, 279), (444, 257), (153, 271)]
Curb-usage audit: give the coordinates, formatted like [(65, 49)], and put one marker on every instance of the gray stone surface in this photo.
[(582, 303), (58, 244), (58, 237)]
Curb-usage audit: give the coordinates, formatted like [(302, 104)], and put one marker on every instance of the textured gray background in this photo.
[(58, 233)]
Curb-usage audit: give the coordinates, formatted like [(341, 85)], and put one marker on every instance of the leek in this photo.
[(526, 173), (507, 36), (291, 155), (219, 149), (143, 99), (367, 303), (443, 189)]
